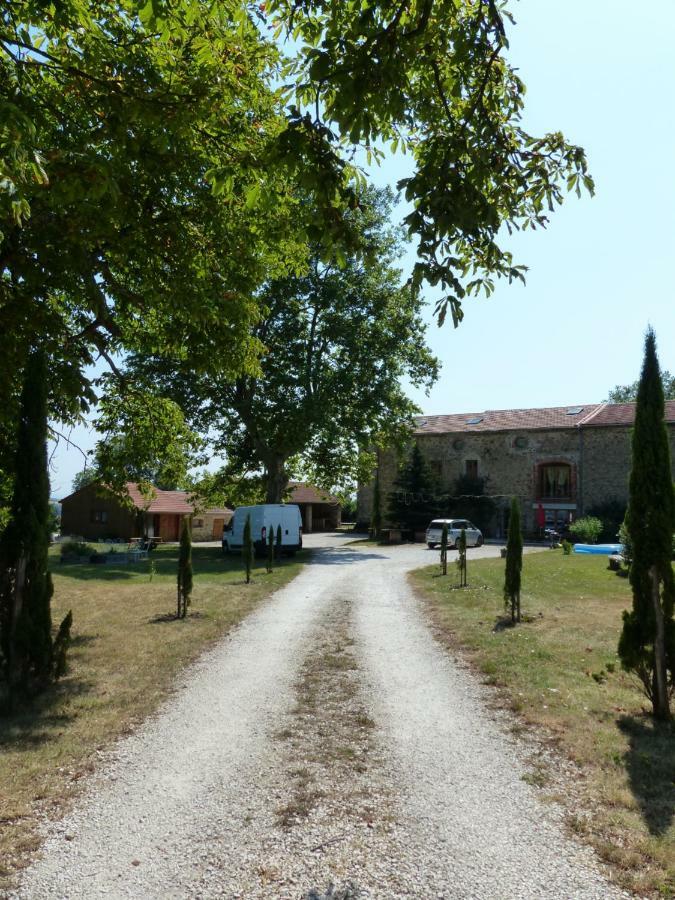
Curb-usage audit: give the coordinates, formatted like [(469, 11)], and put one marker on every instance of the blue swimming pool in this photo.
[(601, 549)]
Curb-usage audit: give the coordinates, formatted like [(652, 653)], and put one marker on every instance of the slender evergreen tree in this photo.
[(444, 549), (26, 648), (514, 563), (184, 569), (376, 515), (247, 549), (270, 550), (647, 643), (461, 558), (278, 543)]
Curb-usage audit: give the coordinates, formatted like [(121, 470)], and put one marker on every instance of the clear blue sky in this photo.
[(602, 73)]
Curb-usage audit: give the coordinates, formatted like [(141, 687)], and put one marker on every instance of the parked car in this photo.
[(265, 516), (474, 536)]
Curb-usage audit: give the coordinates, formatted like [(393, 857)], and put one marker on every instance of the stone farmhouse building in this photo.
[(560, 462)]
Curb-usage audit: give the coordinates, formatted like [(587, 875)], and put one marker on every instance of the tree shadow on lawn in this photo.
[(39, 722), (650, 764), (164, 561), (163, 618), (95, 573)]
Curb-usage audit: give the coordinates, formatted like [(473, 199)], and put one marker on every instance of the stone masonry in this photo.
[(559, 462)]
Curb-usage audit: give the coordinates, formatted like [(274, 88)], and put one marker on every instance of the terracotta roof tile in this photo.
[(505, 419), (163, 501), (307, 493), (587, 415), (624, 414)]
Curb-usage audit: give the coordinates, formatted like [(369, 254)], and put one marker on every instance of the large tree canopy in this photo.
[(152, 154), (138, 137), (338, 341), (431, 76), (113, 238)]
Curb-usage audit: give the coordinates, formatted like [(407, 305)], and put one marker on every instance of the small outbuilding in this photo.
[(93, 513), (208, 525), (320, 510)]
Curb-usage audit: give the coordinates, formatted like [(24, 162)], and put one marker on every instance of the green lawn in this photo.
[(126, 650), (560, 672)]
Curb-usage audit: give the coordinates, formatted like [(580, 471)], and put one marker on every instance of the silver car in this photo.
[(474, 537)]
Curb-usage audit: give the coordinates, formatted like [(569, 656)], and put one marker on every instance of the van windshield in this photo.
[(437, 524)]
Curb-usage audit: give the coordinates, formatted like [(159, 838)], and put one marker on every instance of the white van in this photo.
[(265, 516)]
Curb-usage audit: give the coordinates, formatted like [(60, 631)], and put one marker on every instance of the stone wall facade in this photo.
[(592, 463), (607, 462)]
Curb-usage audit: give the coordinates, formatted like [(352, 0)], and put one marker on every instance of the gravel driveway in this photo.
[(328, 739)]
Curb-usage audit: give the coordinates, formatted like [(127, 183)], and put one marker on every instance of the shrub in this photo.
[(247, 549), (461, 558), (514, 563), (444, 549), (611, 513), (627, 544), (566, 548), (270, 550), (184, 577), (75, 548), (587, 529)]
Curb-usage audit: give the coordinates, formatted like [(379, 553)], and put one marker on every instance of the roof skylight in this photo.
[(475, 420), (574, 410)]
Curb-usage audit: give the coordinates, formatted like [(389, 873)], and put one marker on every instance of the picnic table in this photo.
[(145, 544)]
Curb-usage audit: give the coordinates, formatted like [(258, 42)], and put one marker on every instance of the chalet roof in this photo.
[(585, 415), (163, 501), (308, 493), (174, 502)]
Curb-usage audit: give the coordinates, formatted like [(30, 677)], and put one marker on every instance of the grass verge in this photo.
[(560, 672), (127, 650)]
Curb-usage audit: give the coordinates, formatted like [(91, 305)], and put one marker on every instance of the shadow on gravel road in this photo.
[(342, 557)]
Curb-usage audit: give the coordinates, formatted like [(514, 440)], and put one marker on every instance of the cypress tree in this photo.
[(461, 558), (270, 550), (376, 516), (278, 543), (26, 649), (514, 563), (184, 569), (647, 643), (247, 549), (444, 549)]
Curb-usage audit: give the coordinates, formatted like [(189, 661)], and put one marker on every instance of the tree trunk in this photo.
[(16, 661), (277, 479), (660, 699)]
